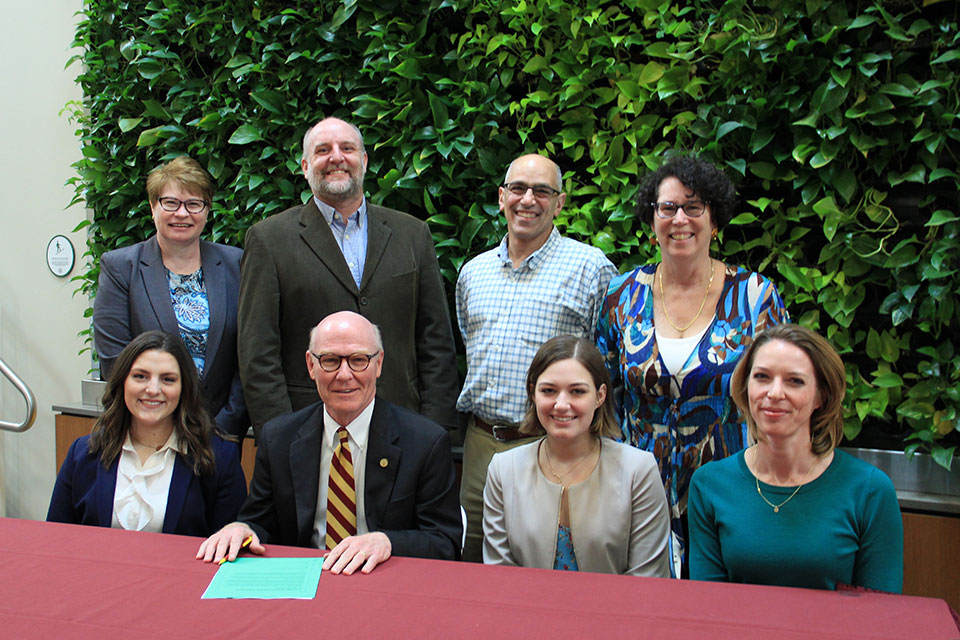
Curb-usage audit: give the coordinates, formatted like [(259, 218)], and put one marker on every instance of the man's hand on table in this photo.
[(358, 552), (227, 543)]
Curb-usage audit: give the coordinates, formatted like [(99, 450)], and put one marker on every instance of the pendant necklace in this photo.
[(776, 507), (561, 476)]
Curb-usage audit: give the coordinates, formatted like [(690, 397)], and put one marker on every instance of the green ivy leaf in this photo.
[(890, 350), (268, 99), (535, 64), (128, 124), (861, 21), (743, 218), (888, 380), (148, 137), (941, 216), (650, 74), (948, 56), (245, 134), (873, 345), (943, 456)]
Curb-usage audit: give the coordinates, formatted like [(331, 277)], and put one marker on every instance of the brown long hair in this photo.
[(191, 422), (826, 421), (584, 352)]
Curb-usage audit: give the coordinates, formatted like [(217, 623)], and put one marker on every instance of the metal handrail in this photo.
[(27, 395)]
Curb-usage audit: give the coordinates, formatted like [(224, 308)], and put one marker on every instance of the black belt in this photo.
[(502, 432)]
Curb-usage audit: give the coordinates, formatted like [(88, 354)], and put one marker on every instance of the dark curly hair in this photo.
[(191, 421), (709, 184)]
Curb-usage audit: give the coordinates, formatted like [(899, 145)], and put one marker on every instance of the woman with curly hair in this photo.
[(671, 333), (153, 461)]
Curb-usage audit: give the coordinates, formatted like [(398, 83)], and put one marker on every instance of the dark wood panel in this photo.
[(931, 557), (69, 428)]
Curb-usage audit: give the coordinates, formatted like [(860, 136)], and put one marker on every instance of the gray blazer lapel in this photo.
[(316, 233), (156, 286), (378, 235), (383, 460), (305, 469), (216, 287)]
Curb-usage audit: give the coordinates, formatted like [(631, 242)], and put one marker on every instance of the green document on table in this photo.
[(266, 578)]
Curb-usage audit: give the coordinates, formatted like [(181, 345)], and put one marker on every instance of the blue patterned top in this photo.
[(192, 309), (689, 418), (566, 559)]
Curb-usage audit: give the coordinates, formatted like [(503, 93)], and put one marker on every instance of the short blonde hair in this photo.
[(826, 421), (185, 172)]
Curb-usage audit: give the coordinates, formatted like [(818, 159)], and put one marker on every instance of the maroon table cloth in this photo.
[(67, 581)]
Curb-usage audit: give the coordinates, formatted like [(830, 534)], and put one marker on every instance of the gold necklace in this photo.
[(776, 507), (663, 300), (560, 476)]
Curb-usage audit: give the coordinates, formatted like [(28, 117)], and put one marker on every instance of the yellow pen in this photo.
[(246, 542)]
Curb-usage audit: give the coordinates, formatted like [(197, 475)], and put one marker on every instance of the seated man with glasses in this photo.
[(533, 286), (353, 474)]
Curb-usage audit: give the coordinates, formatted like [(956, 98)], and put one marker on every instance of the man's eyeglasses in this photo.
[(192, 206), (693, 208), (331, 362), (520, 189)]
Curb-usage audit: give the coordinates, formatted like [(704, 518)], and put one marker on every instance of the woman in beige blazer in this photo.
[(575, 499)]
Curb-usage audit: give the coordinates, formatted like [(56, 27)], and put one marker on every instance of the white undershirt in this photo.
[(140, 497), (676, 351), (358, 431)]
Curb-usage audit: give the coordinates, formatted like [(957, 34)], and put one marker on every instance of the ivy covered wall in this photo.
[(837, 120)]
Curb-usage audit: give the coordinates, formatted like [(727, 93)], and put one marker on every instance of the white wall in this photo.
[(39, 314)]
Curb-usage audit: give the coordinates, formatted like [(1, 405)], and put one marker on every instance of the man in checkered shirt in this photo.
[(510, 300)]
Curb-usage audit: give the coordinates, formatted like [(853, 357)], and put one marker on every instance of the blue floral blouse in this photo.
[(192, 309), (685, 419), (566, 559)]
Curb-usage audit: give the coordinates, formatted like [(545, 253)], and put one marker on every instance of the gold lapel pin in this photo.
[(383, 463)]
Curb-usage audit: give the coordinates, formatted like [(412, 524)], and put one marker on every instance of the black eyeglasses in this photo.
[(541, 191), (693, 208), (192, 206), (331, 362)]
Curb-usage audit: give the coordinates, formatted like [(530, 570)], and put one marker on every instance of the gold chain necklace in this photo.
[(663, 300), (560, 476), (776, 507)]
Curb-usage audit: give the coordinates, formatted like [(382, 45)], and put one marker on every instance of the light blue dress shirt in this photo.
[(350, 234)]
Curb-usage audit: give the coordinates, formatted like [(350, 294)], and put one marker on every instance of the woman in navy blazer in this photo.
[(178, 283), (152, 412)]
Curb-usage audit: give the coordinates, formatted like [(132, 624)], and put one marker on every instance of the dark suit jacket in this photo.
[(412, 497), (294, 275), (196, 505), (133, 296)]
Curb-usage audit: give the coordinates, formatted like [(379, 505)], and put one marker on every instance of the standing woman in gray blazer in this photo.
[(575, 499), (176, 282)]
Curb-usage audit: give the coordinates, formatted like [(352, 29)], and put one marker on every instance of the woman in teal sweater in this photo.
[(792, 510)]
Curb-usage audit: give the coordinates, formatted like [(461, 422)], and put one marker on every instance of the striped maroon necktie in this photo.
[(341, 495)]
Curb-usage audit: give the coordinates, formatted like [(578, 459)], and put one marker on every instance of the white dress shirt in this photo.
[(358, 431), (140, 497)]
